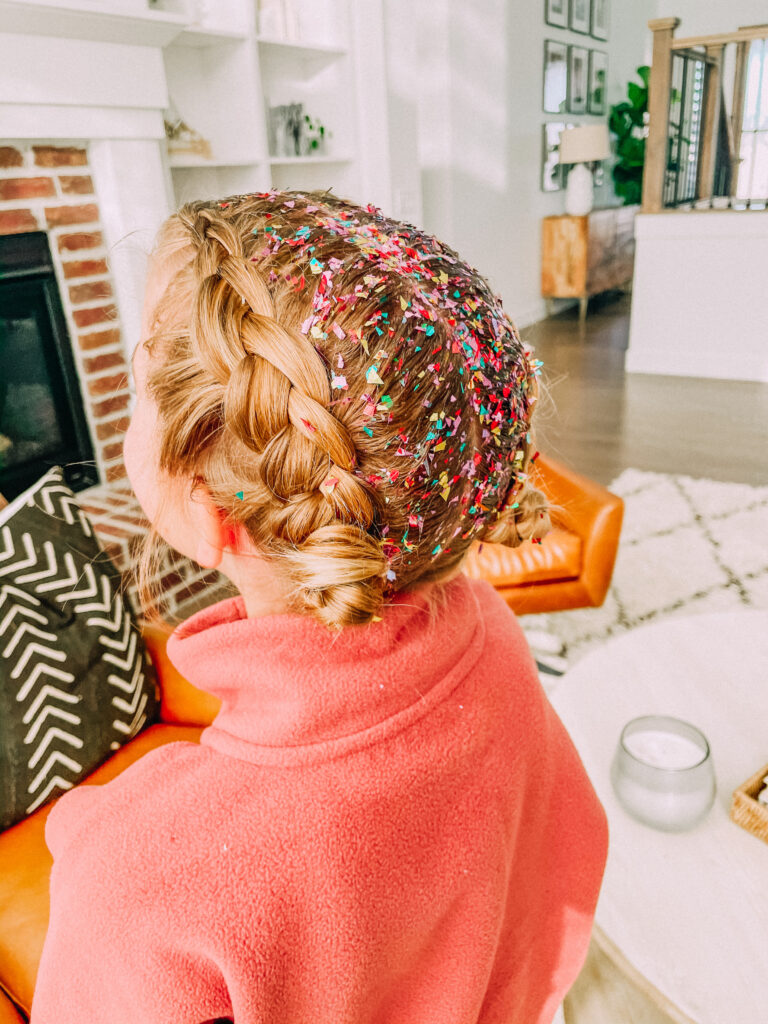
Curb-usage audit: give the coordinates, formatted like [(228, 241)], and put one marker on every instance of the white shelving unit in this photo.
[(220, 68), (224, 75), (107, 23), (309, 160)]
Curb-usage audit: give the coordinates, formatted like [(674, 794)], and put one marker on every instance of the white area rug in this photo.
[(687, 546)]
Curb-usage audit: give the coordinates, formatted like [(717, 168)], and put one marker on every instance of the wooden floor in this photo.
[(600, 420), (610, 991)]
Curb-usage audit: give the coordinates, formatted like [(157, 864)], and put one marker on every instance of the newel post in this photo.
[(656, 144)]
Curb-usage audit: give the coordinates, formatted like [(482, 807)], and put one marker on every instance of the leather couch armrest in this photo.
[(588, 509), (580, 498), (181, 702), (9, 1013)]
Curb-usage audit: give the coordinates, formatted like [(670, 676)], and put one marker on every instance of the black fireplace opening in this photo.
[(42, 421)]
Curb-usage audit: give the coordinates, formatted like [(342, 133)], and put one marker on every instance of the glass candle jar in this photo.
[(662, 772)]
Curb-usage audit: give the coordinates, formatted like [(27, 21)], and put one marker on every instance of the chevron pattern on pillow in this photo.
[(76, 681)]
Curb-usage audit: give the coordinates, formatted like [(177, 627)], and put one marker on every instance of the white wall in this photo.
[(697, 308), (480, 122), (705, 17), (402, 78)]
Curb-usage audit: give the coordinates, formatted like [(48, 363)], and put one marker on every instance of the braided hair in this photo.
[(348, 389)]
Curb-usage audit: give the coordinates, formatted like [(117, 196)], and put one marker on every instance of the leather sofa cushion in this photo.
[(558, 557), (25, 866)]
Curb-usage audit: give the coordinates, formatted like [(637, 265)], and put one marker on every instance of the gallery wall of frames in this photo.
[(575, 75)]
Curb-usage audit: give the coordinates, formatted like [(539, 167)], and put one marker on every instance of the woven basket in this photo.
[(746, 809)]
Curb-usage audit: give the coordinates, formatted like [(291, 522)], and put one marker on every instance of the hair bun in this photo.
[(529, 521), (340, 572)]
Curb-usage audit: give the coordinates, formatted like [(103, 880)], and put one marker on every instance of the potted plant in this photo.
[(628, 122), (315, 136)]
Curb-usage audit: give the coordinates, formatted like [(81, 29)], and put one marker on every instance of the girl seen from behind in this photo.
[(386, 821)]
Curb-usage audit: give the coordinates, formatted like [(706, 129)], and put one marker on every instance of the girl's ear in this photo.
[(211, 536)]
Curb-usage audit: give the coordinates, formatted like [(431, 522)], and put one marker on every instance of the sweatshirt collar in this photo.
[(287, 681)]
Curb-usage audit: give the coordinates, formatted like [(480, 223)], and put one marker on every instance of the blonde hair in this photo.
[(361, 422)]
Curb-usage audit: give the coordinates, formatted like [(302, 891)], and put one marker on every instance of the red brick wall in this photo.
[(49, 188)]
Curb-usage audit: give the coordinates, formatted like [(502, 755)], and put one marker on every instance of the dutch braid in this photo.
[(275, 398), (354, 383)]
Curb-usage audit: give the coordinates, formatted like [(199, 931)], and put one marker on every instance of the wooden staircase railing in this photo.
[(718, 136)]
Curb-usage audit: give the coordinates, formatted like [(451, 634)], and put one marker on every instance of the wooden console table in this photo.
[(583, 256)]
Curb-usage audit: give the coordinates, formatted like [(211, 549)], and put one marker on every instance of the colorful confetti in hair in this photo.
[(434, 382)]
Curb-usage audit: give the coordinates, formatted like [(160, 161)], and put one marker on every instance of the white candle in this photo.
[(664, 749), (669, 811), (661, 777)]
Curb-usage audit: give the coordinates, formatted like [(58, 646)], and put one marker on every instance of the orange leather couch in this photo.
[(572, 567), (25, 862)]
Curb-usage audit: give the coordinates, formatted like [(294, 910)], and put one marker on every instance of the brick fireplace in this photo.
[(50, 188)]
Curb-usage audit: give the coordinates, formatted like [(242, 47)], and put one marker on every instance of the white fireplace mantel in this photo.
[(80, 88), (109, 97)]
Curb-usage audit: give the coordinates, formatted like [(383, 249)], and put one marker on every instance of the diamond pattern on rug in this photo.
[(688, 546)]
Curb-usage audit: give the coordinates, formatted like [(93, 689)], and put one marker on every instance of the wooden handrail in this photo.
[(658, 113), (709, 51), (742, 35)]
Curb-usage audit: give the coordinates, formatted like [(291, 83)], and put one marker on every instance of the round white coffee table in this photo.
[(689, 910)]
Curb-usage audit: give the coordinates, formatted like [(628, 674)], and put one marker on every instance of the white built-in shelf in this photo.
[(180, 160), (301, 50), (195, 36), (70, 20), (310, 159)]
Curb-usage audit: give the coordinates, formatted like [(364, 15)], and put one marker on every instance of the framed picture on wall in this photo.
[(579, 20), (598, 79), (556, 13), (552, 171), (555, 77), (578, 79), (551, 176), (600, 19)]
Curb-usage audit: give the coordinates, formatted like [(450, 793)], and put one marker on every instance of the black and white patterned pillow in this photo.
[(76, 682)]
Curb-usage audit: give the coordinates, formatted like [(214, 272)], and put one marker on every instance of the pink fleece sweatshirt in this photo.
[(388, 826)]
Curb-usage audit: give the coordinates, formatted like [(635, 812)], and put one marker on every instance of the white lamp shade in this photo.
[(585, 143)]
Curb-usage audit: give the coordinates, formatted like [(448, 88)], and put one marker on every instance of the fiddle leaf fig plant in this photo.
[(627, 121)]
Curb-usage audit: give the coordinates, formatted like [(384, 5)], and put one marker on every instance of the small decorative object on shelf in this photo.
[(286, 123), (294, 133), (315, 138), (749, 804), (182, 139)]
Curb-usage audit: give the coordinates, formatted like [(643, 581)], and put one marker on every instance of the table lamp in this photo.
[(581, 146)]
